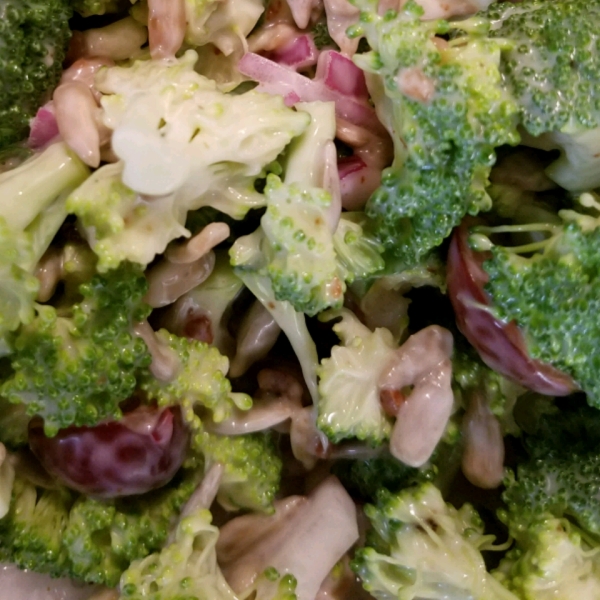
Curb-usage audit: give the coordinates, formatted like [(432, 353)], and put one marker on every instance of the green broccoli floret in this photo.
[(552, 560), (550, 287), (321, 37), (199, 382), (359, 252), (562, 475), (76, 368), (67, 534), (14, 423), (31, 213), (551, 66), (294, 248), (421, 547), (34, 35), (252, 468), (187, 569), (365, 478), (349, 397), (446, 110), (87, 8)]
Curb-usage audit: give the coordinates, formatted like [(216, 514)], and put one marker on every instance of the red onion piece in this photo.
[(298, 54), (139, 453), (501, 345), (43, 127), (279, 80), (339, 73)]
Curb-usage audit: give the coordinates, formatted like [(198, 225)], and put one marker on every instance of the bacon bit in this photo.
[(391, 401), (198, 327), (415, 84)]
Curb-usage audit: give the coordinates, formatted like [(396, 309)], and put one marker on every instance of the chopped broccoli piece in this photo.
[(562, 474), (252, 468), (421, 547), (365, 478), (31, 213), (121, 226), (446, 110), (552, 560), (294, 248), (66, 534), (551, 66), (34, 35), (551, 293), (200, 381), (14, 423), (187, 569), (76, 369), (349, 403), (359, 252)]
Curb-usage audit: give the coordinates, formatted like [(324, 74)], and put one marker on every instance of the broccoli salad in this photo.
[(297, 300)]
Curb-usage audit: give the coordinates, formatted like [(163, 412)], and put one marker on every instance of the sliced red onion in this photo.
[(280, 80), (298, 54), (339, 73), (43, 127), (357, 181)]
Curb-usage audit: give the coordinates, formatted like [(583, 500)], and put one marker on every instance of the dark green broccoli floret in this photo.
[(365, 478), (66, 534), (552, 67), (552, 293), (447, 111), (34, 35), (76, 368), (562, 475)]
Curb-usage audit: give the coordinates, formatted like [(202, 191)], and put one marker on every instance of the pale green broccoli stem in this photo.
[(305, 154), (38, 185), (292, 323)]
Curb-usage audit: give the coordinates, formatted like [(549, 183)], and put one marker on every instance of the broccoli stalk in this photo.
[(31, 213), (551, 68)]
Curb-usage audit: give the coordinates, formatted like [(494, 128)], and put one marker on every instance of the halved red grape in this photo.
[(140, 452), (501, 345)]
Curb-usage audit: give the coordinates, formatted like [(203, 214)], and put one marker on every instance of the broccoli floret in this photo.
[(87, 8), (67, 534), (550, 287), (446, 111), (359, 252), (188, 569), (14, 423), (562, 474), (200, 381), (349, 403), (421, 547), (365, 478), (552, 560), (34, 35), (294, 248), (551, 66), (31, 213), (76, 369), (252, 468)]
